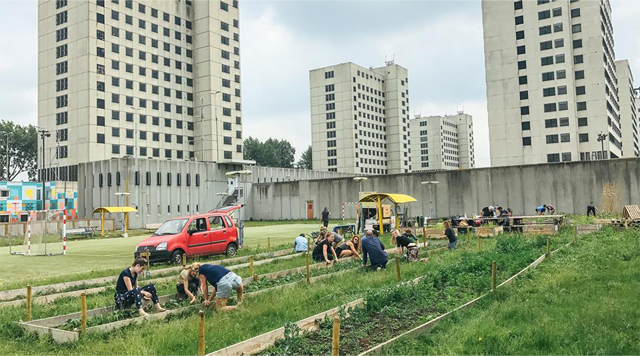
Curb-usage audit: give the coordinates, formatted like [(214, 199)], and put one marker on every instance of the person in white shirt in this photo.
[(300, 244)]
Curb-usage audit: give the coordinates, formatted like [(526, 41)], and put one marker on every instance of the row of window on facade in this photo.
[(155, 152), (148, 179)]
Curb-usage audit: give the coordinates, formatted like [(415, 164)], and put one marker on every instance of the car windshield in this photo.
[(171, 227)]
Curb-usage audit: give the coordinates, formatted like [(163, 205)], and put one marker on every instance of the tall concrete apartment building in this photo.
[(360, 119), (129, 78), (628, 110), (552, 87), (442, 143)]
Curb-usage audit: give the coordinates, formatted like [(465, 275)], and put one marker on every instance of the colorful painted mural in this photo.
[(19, 199)]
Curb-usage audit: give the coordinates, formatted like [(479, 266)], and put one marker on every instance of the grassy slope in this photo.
[(581, 301), (108, 256)]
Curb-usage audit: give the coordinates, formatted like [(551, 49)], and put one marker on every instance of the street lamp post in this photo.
[(43, 135), (6, 134), (430, 184), (601, 138)]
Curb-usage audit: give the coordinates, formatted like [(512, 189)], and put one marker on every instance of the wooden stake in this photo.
[(268, 244), (493, 276), (184, 260), (548, 247), (424, 235), (28, 318), (308, 273), (335, 346), (250, 266), (201, 346), (83, 318), (398, 269)]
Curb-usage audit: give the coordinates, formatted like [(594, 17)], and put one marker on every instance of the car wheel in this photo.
[(176, 257), (232, 249)]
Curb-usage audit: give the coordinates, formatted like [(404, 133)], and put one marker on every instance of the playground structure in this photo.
[(124, 210), (381, 211)]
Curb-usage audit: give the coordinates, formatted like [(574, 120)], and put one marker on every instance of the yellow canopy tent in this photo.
[(381, 197), (114, 209)]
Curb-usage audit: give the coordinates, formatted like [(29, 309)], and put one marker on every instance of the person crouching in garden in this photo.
[(451, 235), (128, 293), (373, 249), (349, 248), (189, 282), (224, 282), (323, 249)]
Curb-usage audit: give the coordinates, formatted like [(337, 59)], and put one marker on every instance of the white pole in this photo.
[(29, 234), (64, 232)]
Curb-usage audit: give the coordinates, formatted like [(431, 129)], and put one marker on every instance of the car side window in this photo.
[(229, 224), (198, 225), (215, 222)]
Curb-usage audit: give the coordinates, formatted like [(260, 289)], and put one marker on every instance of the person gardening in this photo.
[(189, 282), (321, 251), (451, 235), (224, 282), (300, 244), (407, 241), (541, 209), (349, 248), (127, 291), (373, 249)]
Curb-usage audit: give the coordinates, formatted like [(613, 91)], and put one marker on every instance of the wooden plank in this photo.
[(10, 294), (57, 335)]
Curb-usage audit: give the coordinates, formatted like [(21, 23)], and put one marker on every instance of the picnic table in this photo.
[(87, 231)]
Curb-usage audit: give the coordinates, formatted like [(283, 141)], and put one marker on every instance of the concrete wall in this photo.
[(567, 186)]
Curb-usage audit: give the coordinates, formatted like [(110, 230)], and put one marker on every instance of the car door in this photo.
[(219, 234), (200, 237)]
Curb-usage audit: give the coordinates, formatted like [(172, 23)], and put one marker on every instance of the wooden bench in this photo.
[(152, 227)]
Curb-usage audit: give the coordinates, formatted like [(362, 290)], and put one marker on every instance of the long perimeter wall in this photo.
[(567, 186)]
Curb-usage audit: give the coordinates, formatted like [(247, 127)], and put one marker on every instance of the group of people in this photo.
[(193, 280), (544, 208)]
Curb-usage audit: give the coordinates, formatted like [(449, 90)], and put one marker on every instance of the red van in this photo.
[(211, 233)]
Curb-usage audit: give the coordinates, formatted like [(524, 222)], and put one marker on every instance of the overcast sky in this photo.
[(439, 42)]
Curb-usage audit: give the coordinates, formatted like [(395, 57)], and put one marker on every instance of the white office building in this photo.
[(144, 78), (552, 87), (628, 110), (359, 119), (442, 143)]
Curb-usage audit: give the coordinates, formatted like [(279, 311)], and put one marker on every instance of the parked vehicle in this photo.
[(211, 233)]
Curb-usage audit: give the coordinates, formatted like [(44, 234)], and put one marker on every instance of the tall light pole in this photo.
[(601, 138), (359, 213), (6, 134), (430, 184), (43, 135)]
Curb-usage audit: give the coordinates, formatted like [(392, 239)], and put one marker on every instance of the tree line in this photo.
[(275, 153), (22, 150)]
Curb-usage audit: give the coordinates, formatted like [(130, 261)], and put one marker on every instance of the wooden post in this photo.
[(548, 247), (268, 244), (184, 260), (83, 318), (201, 335), (493, 276), (335, 345), (308, 272), (250, 266), (28, 318), (424, 236), (398, 269)]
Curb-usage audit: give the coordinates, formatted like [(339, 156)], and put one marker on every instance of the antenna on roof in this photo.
[(460, 112), (391, 62)]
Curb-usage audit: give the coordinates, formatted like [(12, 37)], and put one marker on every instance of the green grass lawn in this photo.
[(583, 300), (98, 257)]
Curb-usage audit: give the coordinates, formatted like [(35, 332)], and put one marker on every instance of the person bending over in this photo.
[(128, 293), (224, 282), (373, 249), (321, 251), (405, 241), (541, 209), (188, 282), (348, 248)]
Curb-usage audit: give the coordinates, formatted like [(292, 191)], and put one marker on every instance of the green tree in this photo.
[(23, 150), (306, 160), (270, 153)]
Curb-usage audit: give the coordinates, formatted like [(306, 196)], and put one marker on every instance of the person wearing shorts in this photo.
[(224, 283)]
